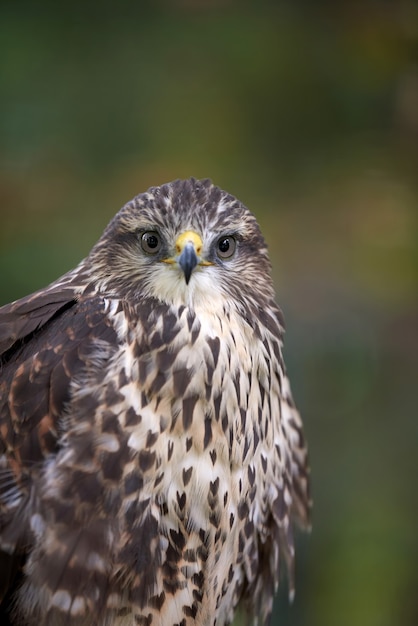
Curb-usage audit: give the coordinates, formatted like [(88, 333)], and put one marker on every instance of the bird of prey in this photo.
[(152, 460)]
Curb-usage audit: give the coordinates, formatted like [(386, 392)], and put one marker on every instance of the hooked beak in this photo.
[(188, 246), (188, 261)]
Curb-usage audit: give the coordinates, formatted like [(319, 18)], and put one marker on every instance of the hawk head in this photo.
[(184, 243)]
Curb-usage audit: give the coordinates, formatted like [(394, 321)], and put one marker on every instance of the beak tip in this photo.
[(187, 272)]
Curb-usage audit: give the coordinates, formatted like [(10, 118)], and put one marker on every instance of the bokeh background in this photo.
[(308, 112)]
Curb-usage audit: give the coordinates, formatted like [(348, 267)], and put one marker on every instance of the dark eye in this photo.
[(226, 247), (151, 242)]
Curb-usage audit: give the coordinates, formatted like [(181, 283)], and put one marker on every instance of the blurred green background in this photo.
[(308, 112)]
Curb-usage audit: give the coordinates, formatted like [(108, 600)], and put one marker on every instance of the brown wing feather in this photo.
[(47, 339), (21, 318), (29, 354)]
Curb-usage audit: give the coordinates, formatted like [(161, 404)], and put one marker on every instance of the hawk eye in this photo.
[(151, 242), (225, 247)]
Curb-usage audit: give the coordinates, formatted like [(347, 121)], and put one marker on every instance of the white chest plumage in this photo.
[(196, 402)]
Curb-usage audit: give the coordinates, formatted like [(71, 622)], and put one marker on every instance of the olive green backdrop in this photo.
[(308, 112)]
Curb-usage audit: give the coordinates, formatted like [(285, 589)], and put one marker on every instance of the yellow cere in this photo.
[(189, 236)]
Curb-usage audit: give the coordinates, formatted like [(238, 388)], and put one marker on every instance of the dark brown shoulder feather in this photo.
[(23, 317), (48, 339)]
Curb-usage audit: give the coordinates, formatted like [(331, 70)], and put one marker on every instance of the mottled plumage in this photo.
[(152, 461)]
